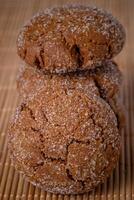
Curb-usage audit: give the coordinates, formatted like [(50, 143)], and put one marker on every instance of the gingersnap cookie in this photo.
[(119, 111), (64, 140), (30, 80), (68, 38), (108, 78), (105, 80)]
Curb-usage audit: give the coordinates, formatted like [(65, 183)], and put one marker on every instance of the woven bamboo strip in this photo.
[(104, 190), (127, 139), (55, 197), (79, 197), (132, 131), (122, 157), (48, 196), (31, 192), (9, 182), (72, 197), (3, 160), (43, 195), (37, 193), (66, 197), (2, 100), (116, 183), (60, 197), (14, 186), (97, 193), (110, 187), (25, 190), (4, 177), (5, 171), (85, 196), (4, 152), (91, 195), (122, 168), (19, 187)]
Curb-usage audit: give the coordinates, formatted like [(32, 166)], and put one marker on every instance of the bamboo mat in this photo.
[(13, 13)]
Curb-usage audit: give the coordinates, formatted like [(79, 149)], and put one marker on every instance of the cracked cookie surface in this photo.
[(106, 77), (104, 81), (66, 142), (67, 38)]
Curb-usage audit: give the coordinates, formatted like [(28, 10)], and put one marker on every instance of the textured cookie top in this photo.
[(104, 80), (108, 78), (67, 142), (30, 80), (67, 38)]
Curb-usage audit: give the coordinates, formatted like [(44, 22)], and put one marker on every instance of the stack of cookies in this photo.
[(65, 134)]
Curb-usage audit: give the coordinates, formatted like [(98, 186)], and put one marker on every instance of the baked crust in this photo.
[(66, 142), (104, 81), (67, 38)]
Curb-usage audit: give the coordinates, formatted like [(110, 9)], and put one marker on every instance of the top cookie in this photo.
[(67, 38)]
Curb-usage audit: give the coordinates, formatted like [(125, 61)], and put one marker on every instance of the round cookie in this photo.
[(68, 38), (64, 140), (30, 80), (104, 81)]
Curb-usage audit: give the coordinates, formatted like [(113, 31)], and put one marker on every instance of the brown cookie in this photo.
[(104, 81), (64, 140), (108, 78), (119, 111), (30, 80), (69, 38)]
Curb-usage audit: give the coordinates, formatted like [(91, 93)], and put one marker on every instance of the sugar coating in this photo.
[(68, 38), (30, 80), (64, 142), (108, 78), (104, 81)]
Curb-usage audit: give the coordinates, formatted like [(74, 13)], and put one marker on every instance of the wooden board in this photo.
[(13, 13)]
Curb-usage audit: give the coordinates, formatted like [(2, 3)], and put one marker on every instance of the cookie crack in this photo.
[(49, 159), (45, 116), (45, 157), (52, 158), (41, 57), (103, 96), (100, 90), (70, 176), (74, 51), (35, 129), (25, 52), (37, 63), (74, 141), (24, 107)]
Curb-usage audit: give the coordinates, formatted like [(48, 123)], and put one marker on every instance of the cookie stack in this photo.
[(65, 134)]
